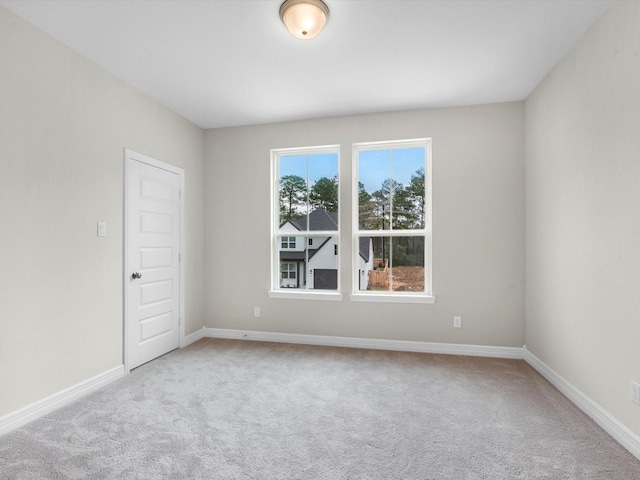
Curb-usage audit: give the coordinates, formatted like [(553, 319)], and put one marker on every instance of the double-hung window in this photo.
[(392, 221), (305, 226)]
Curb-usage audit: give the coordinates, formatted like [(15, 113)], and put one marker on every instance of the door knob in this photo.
[(136, 275)]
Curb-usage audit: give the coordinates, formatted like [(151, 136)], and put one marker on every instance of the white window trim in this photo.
[(392, 297), (358, 295), (306, 295), (299, 294)]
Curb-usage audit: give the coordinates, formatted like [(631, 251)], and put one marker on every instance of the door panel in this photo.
[(153, 239), (155, 223), (155, 326), (155, 292), (155, 257)]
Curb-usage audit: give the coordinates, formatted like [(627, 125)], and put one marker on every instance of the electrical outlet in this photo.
[(457, 322), (256, 312), (635, 393)]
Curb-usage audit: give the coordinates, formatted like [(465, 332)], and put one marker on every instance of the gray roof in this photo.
[(364, 248), (320, 219)]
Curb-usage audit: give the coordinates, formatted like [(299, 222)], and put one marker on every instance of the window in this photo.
[(392, 221), (288, 242), (288, 270), (305, 224)]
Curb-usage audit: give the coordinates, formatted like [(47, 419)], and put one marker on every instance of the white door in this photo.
[(152, 259)]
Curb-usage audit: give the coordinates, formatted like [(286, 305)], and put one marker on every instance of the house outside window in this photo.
[(288, 242), (392, 206), (305, 222), (288, 274)]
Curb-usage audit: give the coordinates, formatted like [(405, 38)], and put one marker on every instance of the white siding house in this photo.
[(365, 262), (323, 265), (311, 262), (292, 253)]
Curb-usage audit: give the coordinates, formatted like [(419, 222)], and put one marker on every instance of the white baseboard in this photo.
[(608, 422), (40, 408), (193, 337), (371, 343)]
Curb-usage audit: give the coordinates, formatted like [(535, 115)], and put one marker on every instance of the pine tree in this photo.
[(324, 194), (293, 193)]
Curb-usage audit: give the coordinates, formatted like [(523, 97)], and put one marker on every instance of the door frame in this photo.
[(132, 156)]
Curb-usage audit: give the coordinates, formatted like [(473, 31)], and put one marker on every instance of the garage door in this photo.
[(325, 279)]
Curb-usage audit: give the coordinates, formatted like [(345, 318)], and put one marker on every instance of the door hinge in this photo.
[(179, 257)]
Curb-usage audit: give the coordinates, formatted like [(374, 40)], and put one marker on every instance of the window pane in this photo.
[(374, 199), (391, 188), (397, 265), (366, 262), (323, 191), (307, 201), (311, 267), (407, 171), (293, 188), (323, 264), (308, 184)]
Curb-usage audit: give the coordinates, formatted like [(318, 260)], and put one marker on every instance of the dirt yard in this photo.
[(405, 279), (408, 279)]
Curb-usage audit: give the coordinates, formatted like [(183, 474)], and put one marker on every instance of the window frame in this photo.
[(275, 291), (358, 295)]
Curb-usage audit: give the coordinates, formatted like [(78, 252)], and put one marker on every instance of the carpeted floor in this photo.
[(223, 409)]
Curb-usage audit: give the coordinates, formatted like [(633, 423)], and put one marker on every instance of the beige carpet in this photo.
[(224, 409)]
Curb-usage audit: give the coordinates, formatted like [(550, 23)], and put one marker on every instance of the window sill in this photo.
[(392, 298), (306, 295)]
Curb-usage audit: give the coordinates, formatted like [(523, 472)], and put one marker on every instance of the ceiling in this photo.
[(232, 62)]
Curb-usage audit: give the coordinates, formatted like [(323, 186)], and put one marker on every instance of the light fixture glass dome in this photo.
[(304, 18)]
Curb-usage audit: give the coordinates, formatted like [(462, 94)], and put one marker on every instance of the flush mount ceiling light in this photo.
[(304, 18)]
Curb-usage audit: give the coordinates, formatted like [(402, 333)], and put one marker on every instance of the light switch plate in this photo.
[(102, 229)]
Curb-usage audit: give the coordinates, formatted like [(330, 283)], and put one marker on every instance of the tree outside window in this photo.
[(305, 213), (393, 207)]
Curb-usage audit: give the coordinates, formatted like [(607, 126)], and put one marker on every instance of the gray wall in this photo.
[(582, 211), (64, 123), (478, 228)]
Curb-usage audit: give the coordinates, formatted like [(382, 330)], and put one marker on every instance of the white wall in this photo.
[(64, 123), (478, 224), (583, 214)]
